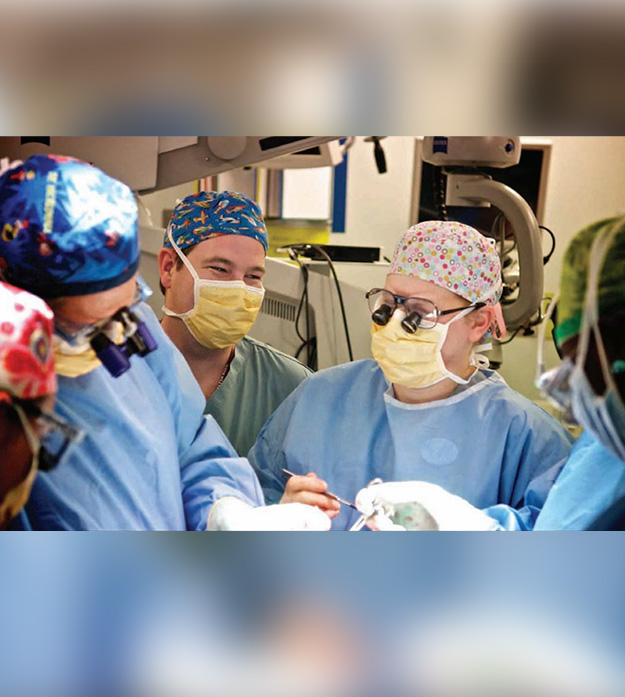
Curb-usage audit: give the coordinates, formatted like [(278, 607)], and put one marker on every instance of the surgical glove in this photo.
[(233, 514), (418, 506)]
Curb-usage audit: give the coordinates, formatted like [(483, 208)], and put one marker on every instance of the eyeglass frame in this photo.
[(48, 423), (400, 300), (142, 293)]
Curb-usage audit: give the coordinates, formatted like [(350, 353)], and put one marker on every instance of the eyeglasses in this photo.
[(55, 434), (75, 334), (420, 312)]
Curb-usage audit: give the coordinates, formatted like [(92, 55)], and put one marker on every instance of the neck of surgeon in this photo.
[(207, 364)]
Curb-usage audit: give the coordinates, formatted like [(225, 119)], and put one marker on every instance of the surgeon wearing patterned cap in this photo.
[(28, 427), (590, 382), (211, 267), (426, 408), (150, 460)]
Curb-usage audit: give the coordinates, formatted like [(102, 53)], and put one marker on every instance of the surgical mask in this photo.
[(223, 312), (601, 415), (80, 358), (414, 360), (72, 361), (16, 498)]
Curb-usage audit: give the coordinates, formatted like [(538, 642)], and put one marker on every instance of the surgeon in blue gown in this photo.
[(424, 409), (161, 465), (589, 384), (149, 460)]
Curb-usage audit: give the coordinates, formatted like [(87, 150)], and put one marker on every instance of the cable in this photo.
[(299, 350), (500, 223), (498, 234), (301, 249), (553, 244), (302, 300), (306, 342), (326, 256), (507, 341), (313, 353), (440, 189), (304, 272)]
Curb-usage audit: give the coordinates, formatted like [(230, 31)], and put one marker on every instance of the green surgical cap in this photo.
[(573, 282)]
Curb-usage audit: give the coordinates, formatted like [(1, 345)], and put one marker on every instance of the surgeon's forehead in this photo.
[(410, 286), (237, 250), (95, 307)]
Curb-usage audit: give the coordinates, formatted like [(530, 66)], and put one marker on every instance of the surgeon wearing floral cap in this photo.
[(427, 407), (211, 267), (32, 437)]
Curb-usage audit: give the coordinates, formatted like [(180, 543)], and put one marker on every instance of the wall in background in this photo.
[(586, 183), (378, 205)]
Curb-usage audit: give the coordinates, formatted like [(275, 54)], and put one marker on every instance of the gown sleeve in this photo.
[(209, 467)]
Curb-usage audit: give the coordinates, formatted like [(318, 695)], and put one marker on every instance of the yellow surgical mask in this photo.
[(223, 312), (73, 361), (412, 360)]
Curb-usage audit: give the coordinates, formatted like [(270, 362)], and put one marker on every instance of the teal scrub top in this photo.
[(259, 380)]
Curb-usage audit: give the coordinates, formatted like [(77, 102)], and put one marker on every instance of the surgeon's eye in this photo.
[(218, 269)]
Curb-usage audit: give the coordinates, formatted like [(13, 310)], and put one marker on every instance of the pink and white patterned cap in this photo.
[(452, 255), (26, 356)]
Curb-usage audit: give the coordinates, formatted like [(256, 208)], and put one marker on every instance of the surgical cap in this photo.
[(66, 228), (574, 275), (26, 358), (212, 214), (453, 256)]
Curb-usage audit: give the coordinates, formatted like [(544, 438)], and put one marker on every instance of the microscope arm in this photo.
[(463, 189)]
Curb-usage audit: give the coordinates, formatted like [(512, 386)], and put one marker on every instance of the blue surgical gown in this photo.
[(485, 443), (592, 480), (150, 459)]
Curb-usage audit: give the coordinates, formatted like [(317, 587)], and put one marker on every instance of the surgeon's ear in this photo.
[(481, 321), (166, 266)]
